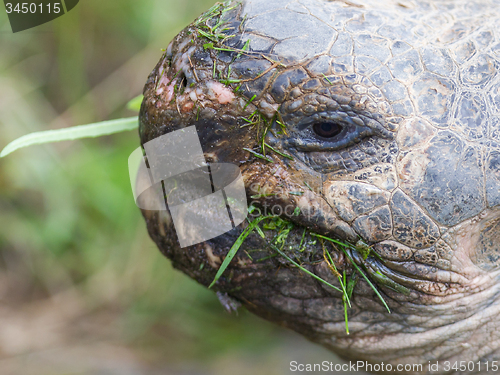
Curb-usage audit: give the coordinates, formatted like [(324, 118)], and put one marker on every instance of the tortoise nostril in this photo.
[(327, 129), (182, 83)]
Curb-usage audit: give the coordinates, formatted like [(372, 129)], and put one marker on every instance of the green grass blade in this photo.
[(367, 280), (278, 152), (351, 284), (135, 103), (389, 283), (330, 239), (304, 269), (245, 47), (234, 249), (355, 266), (250, 101), (346, 316), (260, 156), (345, 296), (68, 134), (325, 77)]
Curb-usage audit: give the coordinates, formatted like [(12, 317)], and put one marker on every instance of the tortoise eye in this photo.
[(327, 129)]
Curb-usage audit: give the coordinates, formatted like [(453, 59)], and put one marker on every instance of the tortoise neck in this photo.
[(465, 329)]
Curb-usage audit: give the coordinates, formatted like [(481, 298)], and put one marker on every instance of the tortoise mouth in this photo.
[(293, 241), (294, 215)]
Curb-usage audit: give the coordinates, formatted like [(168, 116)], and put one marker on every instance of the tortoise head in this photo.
[(371, 133)]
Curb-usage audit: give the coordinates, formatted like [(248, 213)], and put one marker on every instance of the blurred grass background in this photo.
[(83, 290)]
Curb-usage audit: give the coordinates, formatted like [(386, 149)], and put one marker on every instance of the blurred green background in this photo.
[(83, 290)]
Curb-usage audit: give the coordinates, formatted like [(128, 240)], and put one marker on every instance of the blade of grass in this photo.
[(329, 239), (234, 249), (302, 240), (351, 284), (346, 316), (330, 82), (244, 48), (135, 103), (366, 279), (278, 152), (68, 134), (389, 283), (355, 266), (250, 101), (256, 154), (345, 296), (275, 248)]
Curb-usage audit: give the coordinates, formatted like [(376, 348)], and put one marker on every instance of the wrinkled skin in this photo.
[(412, 88)]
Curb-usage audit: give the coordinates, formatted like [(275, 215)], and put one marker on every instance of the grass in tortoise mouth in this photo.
[(278, 244)]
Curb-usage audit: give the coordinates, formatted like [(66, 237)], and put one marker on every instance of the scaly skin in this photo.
[(413, 89)]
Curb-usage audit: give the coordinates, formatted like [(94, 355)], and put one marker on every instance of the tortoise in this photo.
[(368, 137)]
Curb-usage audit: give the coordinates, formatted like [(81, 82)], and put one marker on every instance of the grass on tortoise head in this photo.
[(216, 38)]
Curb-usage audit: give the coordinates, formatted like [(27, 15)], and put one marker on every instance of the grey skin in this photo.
[(391, 110)]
